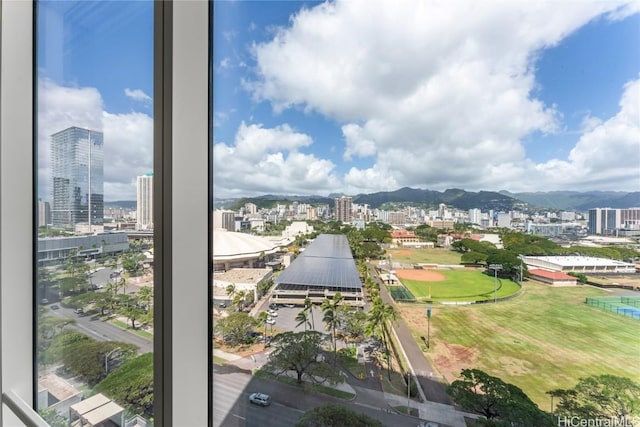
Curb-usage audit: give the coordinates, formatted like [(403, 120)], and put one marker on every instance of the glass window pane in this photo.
[(94, 211)]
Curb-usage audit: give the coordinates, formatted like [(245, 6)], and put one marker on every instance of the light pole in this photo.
[(495, 268), (106, 360), (408, 387), (428, 325)]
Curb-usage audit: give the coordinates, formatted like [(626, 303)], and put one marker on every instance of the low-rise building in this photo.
[(578, 264), (554, 278)]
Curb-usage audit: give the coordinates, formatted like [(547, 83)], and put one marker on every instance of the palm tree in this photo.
[(145, 294), (231, 290), (302, 318), (239, 299), (331, 319), (308, 307), (377, 325), (262, 321)]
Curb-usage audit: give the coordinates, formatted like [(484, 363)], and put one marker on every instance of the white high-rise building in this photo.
[(475, 216), (44, 213), (144, 202)]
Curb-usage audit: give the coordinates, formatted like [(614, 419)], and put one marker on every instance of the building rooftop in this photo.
[(56, 386), (554, 275), (571, 260), (231, 245), (327, 262), (243, 275)]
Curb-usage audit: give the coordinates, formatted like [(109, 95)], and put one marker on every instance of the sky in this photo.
[(95, 70), (361, 96)]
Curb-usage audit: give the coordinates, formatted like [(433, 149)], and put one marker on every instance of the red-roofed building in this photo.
[(554, 278), (399, 237)]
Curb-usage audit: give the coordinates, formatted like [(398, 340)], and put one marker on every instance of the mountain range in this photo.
[(461, 199)]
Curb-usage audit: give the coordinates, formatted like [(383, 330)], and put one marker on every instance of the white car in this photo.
[(272, 313), (260, 399), (271, 320)]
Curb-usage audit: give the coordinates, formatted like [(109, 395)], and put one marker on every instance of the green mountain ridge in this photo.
[(462, 199)]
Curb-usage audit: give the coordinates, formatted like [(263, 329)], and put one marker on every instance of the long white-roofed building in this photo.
[(241, 250), (578, 264), (325, 268)]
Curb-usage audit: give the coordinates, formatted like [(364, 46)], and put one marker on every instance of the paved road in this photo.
[(433, 389), (231, 407), (102, 330)]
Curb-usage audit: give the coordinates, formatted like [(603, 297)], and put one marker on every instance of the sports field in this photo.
[(425, 255), (454, 285), (545, 339)]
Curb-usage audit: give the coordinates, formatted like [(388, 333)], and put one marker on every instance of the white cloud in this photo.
[(607, 154), (225, 63), (137, 95), (358, 143), (268, 160), (439, 93), (128, 138)]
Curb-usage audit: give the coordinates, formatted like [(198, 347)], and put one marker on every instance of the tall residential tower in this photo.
[(343, 209), (77, 157), (144, 202)]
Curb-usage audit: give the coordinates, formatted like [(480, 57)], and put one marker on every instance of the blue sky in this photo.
[(316, 98), (95, 70), (345, 97)]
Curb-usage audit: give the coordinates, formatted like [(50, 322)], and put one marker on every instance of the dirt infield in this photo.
[(420, 275), (403, 253)]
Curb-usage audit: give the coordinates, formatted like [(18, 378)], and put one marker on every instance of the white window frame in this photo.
[(185, 337)]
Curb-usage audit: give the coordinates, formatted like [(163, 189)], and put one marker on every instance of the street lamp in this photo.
[(408, 388), (106, 359), (428, 325), (495, 268)]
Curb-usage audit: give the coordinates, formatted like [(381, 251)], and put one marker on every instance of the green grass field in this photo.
[(426, 255), (461, 286), (544, 339)]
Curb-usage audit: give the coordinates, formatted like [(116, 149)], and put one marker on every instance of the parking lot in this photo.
[(285, 320)]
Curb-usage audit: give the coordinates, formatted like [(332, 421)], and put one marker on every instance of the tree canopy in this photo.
[(301, 352), (86, 358), (131, 384), (502, 403), (600, 397), (331, 415), (236, 328)]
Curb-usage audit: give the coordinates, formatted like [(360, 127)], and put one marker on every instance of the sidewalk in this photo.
[(432, 411)]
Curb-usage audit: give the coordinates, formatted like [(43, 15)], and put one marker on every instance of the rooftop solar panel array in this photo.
[(327, 262), (329, 246)]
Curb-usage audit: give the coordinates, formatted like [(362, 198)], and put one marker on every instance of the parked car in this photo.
[(290, 305), (273, 306), (54, 307), (79, 311), (271, 320), (272, 313), (260, 399)]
